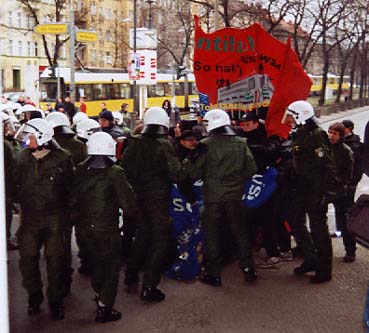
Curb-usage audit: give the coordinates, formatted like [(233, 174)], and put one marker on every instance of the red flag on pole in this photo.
[(248, 69)]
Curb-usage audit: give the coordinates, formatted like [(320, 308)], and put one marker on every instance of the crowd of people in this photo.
[(68, 171)]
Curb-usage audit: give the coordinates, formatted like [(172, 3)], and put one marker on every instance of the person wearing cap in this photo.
[(100, 189), (108, 125), (43, 177), (152, 167), (49, 108)]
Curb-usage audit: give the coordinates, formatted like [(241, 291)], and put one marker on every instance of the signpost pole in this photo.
[(72, 37), (136, 107)]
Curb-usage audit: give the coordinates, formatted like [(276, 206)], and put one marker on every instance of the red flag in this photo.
[(248, 69)]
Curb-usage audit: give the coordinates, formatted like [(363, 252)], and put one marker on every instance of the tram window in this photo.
[(113, 91), (125, 90), (151, 91), (84, 90), (192, 89), (252, 83), (99, 91), (159, 90), (179, 88), (48, 92)]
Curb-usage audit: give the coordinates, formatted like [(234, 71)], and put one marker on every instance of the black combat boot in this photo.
[(249, 274), (105, 314), (34, 302), (211, 280), (151, 294), (305, 267), (57, 310)]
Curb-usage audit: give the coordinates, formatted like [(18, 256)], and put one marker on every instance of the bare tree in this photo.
[(52, 49)]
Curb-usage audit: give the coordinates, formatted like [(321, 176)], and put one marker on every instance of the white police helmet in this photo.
[(60, 122), (101, 144), (78, 117), (156, 116), (215, 119), (86, 128), (300, 112), (40, 128), (118, 117)]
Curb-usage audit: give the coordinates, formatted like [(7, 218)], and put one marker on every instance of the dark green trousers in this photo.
[(316, 245), (153, 235), (39, 230), (215, 215), (104, 249)]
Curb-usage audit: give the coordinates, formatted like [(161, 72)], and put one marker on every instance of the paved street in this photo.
[(278, 302)]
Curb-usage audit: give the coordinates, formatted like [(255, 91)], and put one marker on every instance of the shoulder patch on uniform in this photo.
[(319, 152)]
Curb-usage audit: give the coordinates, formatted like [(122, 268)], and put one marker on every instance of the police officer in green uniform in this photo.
[(43, 178), (101, 188), (65, 137), (151, 165), (224, 164), (314, 168)]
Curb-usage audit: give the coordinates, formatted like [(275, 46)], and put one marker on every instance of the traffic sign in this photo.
[(51, 28), (86, 36)]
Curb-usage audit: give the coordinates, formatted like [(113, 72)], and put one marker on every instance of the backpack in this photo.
[(358, 220)]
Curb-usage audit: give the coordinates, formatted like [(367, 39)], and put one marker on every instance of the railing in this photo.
[(342, 106)]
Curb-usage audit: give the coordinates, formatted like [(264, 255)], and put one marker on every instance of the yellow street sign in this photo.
[(51, 28), (86, 36)]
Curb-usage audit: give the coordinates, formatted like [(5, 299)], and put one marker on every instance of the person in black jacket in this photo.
[(354, 142), (265, 151)]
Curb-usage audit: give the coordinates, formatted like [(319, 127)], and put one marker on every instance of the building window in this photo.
[(101, 56), (100, 11), (35, 49), (100, 34), (9, 19), (108, 36), (108, 59), (20, 48), (93, 55), (107, 13), (19, 20), (93, 8), (10, 47), (28, 49)]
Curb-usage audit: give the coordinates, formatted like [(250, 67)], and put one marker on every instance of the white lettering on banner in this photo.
[(180, 206)]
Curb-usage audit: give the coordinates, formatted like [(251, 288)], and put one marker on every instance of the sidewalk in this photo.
[(278, 302)]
